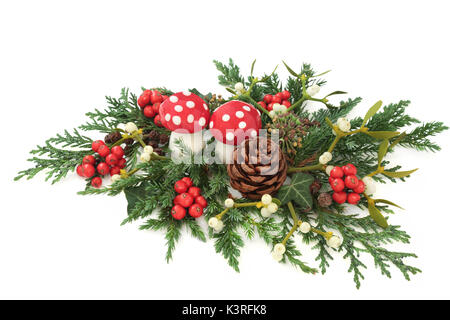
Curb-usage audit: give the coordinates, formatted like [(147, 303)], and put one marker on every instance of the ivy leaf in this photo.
[(372, 112), (387, 202), (298, 191), (382, 150), (377, 216), (135, 195), (399, 174), (382, 134)]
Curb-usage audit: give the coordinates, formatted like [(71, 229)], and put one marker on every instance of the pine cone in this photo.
[(163, 138), (113, 137), (259, 167), (324, 200), (315, 187)]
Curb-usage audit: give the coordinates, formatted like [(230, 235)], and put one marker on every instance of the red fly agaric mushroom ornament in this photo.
[(186, 115), (230, 124)]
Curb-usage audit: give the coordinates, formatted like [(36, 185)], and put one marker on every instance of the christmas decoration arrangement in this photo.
[(258, 163)]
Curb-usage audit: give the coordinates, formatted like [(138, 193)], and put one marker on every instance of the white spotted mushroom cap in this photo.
[(184, 112), (233, 121)]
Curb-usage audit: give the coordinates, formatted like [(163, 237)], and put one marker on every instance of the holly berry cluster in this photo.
[(149, 101), (105, 161), (189, 199), (346, 185), (270, 100)]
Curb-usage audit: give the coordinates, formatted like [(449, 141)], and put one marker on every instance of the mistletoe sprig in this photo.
[(302, 209)]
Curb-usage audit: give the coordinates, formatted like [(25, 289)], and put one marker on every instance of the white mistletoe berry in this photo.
[(219, 226), (265, 212), (266, 199), (229, 203), (313, 90), (344, 125), (279, 248), (334, 242), (325, 157), (272, 113), (277, 107), (130, 127), (305, 227), (116, 177), (371, 186), (272, 207), (145, 157), (239, 87), (213, 222), (148, 149), (278, 257), (328, 169)]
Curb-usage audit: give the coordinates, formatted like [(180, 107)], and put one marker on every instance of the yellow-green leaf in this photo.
[(397, 140), (290, 70), (335, 93), (377, 216), (382, 134), (253, 66), (388, 202), (399, 174), (372, 111), (382, 150)]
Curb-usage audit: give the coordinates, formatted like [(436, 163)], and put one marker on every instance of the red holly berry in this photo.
[(185, 200), (144, 100), (339, 197), (80, 171), (117, 151), (286, 103), (262, 104), (178, 212), (114, 170), (268, 98), (89, 159), (201, 201), (330, 180), (353, 198), (96, 182), (349, 169), (360, 187), (103, 150), (337, 172), (155, 107), (103, 168), (180, 186), (96, 144), (195, 191), (156, 97), (112, 159), (188, 181), (196, 210), (270, 106), (147, 92), (278, 96), (148, 112), (122, 163), (351, 181), (88, 170), (337, 184), (157, 120), (165, 97), (276, 99), (285, 95)]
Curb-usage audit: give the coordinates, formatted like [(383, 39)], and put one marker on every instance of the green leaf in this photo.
[(253, 66), (298, 191), (382, 150), (372, 112), (397, 140), (398, 174), (387, 202), (382, 134), (320, 74), (377, 216), (290, 70), (230, 90), (335, 93), (276, 201), (135, 195)]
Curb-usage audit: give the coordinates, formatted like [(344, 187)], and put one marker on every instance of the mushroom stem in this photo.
[(224, 152), (181, 144)]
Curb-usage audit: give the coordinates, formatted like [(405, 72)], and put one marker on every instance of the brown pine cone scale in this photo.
[(259, 167)]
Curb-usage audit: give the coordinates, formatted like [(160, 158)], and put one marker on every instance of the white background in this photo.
[(59, 59)]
